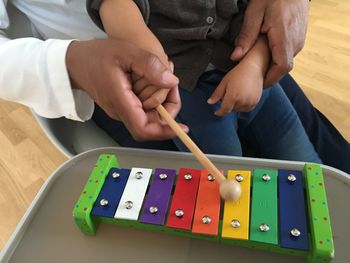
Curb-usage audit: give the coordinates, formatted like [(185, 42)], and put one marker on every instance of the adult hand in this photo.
[(152, 96), (103, 68), (285, 24)]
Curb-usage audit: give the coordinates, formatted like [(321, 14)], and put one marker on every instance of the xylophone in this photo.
[(282, 211)]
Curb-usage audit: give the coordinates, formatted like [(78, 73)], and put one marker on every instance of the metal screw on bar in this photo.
[(292, 178), (128, 204), (179, 213), (295, 232), (103, 202), (235, 223), (266, 177), (138, 175), (211, 177), (188, 176), (153, 209), (229, 189), (239, 178), (163, 176), (206, 220), (115, 175), (264, 228)]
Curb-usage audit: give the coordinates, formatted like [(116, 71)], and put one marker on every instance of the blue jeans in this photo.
[(332, 147), (223, 133), (272, 129)]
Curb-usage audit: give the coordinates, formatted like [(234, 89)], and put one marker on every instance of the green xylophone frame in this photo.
[(321, 245)]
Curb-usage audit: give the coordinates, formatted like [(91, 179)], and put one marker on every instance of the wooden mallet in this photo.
[(229, 189)]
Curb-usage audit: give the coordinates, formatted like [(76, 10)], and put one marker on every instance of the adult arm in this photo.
[(40, 74), (285, 24), (33, 72)]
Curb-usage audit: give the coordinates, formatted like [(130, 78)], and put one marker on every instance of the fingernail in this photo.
[(185, 129), (169, 78), (210, 101)]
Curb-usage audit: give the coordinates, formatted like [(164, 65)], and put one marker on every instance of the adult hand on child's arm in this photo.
[(241, 88), (284, 22), (129, 25), (103, 68)]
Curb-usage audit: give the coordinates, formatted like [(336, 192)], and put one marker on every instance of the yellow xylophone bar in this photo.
[(236, 213)]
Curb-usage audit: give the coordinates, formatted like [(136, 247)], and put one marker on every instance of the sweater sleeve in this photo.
[(93, 9)]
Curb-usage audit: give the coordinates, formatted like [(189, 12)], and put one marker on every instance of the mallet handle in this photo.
[(201, 157)]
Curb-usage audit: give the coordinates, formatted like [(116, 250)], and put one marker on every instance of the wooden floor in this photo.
[(27, 157), (323, 67)]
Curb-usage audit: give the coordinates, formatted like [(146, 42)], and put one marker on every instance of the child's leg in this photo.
[(275, 129), (212, 134), (331, 146)]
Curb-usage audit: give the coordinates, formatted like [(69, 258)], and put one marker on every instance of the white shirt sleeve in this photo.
[(33, 72)]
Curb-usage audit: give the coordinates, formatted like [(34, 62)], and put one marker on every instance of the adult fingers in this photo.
[(250, 30), (275, 73), (285, 23), (146, 125), (282, 57), (165, 130), (143, 125), (149, 66)]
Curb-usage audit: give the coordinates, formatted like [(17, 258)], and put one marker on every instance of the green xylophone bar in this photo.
[(283, 211)]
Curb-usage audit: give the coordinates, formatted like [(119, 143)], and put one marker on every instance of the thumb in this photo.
[(250, 30), (152, 69)]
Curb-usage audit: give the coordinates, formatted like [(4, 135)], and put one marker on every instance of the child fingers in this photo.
[(153, 97), (146, 93), (226, 107), (243, 107), (224, 110), (135, 77), (140, 85), (218, 93)]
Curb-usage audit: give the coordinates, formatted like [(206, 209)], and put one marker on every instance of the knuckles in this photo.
[(151, 61), (287, 65), (112, 113)]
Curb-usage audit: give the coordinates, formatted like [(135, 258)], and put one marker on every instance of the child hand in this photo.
[(240, 90), (151, 96)]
